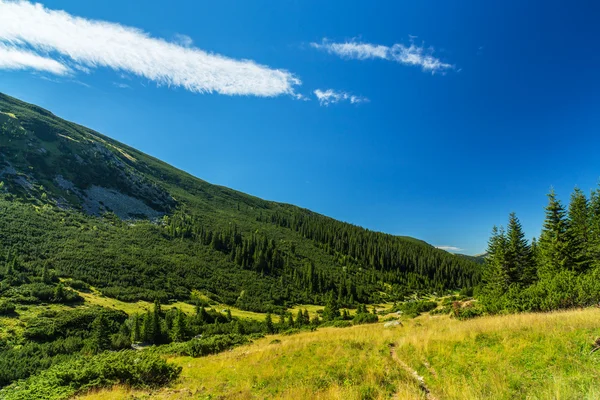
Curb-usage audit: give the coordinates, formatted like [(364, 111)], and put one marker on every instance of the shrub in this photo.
[(202, 346), (134, 368), (415, 308), (365, 318), (7, 307)]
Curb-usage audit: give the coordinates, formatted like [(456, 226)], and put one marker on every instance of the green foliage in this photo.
[(203, 346), (560, 270), (415, 308), (62, 381), (7, 307), (78, 322)]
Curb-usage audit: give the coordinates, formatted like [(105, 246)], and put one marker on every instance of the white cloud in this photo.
[(400, 53), (121, 85), (330, 96), (449, 248), (82, 44), (183, 40), (13, 58)]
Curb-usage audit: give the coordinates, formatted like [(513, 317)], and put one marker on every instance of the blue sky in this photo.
[(435, 119)]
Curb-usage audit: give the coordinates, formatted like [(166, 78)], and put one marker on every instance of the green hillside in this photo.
[(77, 204)]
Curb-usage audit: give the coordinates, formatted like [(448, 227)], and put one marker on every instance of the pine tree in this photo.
[(147, 328), (496, 277), (136, 329), (269, 323), (300, 318), (553, 244), (519, 263), (46, 278), (306, 317), (179, 327), (331, 310), (100, 337), (59, 293), (156, 323), (594, 233), (578, 231)]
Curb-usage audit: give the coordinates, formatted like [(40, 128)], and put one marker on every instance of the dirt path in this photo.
[(418, 378)]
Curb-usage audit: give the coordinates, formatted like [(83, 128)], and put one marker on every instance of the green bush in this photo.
[(7, 307), (365, 318), (138, 369), (203, 346), (415, 308)]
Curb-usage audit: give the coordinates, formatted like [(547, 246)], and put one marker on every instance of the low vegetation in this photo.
[(534, 356)]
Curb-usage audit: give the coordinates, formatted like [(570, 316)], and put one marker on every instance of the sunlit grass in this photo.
[(95, 298), (527, 356)]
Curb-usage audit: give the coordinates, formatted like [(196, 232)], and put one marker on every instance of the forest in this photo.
[(559, 269)]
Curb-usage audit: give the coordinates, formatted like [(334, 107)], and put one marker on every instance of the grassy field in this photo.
[(95, 298), (527, 356)]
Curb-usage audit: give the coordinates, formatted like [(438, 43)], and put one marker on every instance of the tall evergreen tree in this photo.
[(594, 229), (554, 242), (100, 338), (269, 323), (179, 330), (331, 310), (496, 276), (579, 231), (519, 263)]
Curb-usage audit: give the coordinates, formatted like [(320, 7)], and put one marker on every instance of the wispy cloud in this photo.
[(121, 85), (14, 58), (33, 36), (183, 40), (408, 55), (449, 248), (330, 96)]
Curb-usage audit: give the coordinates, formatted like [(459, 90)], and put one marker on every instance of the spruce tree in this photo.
[(331, 310), (136, 328), (100, 337), (519, 265), (179, 327), (578, 231), (269, 323), (156, 323), (553, 244), (496, 277), (594, 230)]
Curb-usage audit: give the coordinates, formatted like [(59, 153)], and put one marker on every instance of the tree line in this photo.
[(558, 269)]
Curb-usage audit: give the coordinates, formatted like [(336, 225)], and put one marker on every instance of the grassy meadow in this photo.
[(524, 356)]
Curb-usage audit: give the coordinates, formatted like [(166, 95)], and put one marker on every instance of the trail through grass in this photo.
[(526, 356)]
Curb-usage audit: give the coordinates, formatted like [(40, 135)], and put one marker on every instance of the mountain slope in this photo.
[(81, 205)]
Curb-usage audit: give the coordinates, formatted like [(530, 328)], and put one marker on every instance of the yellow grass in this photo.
[(9, 114), (68, 137), (94, 297), (527, 356)]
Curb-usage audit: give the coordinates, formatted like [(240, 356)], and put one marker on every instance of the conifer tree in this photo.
[(300, 318), (331, 310), (496, 276), (100, 337), (519, 263), (306, 317), (269, 323), (578, 231), (553, 244), (594, 229), (156, 323), (179, 327), (136, 328)]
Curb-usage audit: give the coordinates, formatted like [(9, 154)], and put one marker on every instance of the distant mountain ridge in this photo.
[(138, 228)]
